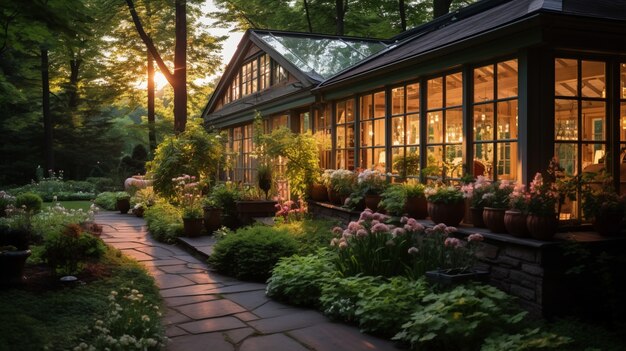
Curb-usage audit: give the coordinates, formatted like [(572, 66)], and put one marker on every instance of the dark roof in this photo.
[(471, 21), (309, 57)]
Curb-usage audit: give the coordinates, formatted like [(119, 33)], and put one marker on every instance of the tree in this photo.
[(441, 7)]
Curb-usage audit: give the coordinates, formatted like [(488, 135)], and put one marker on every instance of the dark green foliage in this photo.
[(102, 184), (49, 188), (460, 319), (106, 200), (19, 238), (224, 196), (136, 162), (311, 234), (394, 199), (528, 339), (340, 296), (67, 250), (252, 252), (298, 279), (383, 309), (30, 201), (164, 222)]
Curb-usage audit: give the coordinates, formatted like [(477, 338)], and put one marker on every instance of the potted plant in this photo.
[(122, 201), (212, 215), (188, 197), (602, 205), (224, 197), (475, 191), (515, 217), (407, 165), (371, 184), (342, 183), (543, 197), (393, 200), (264, 178), (496, 201), (317, 189), (445, 204), (253, 204), (14, 242), (416, 205)]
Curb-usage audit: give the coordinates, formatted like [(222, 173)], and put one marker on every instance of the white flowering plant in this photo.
[(371, 182), (188, 196), (131, 323), (343, 181)]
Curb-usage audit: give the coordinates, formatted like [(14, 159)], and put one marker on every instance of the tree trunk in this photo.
[(73, 87), (308, 16), (47, 117), (151, 129), (180, 68), (441, 7), (402, 11), (340, 9)]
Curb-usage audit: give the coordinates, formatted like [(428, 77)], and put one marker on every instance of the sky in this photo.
[(230, 45)]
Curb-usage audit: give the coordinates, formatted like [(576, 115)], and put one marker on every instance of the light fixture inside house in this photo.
[(624, 122)]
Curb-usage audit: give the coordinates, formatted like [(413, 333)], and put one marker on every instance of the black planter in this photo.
[(123, 205), (455, 276), (12, 266), (212, 219), (247, 210)]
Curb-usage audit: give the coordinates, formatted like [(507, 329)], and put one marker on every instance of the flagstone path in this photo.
[(208, 311)]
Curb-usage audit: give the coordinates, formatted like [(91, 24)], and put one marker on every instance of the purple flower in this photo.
[(366, 215), (380, 228), (452, 242), (449, 230), (413, 226), (354, 226), (361, 233)]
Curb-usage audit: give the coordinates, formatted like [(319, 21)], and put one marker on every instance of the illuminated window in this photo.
[(405, 130), (344, 117), (323, 134), (444, 123), (244, 165), (372, 109), (495, 120)]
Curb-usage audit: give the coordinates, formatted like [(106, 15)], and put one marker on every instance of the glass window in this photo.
[(344, 137), (405, 134), (373, 131), (323, 133), (622, 128)]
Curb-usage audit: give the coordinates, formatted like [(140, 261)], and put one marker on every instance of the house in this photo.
[(496, 89)]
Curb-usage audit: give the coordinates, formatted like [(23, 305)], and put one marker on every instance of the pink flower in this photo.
[(337, 230), (354, 226), (334, 242), (398, 231), (452, 242), (450, 230), (413, 250), (374, 222), (361, 233), (347, 234), (404, 219), (475, 237), (366, 215), (380, 228), (413, 226), (343, 245)]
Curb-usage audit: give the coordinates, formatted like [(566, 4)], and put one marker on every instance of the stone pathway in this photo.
[(208, 311)]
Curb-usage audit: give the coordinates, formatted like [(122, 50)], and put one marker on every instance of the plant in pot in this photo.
[(317, 189), (407, 165), (393, 200), (122, 201), (475, 191), (602, 205), (543, 198), (212, 215), (188, 197), (15, 235), (332, 196), (224, 197), (515, 217), (445, 204), (371, 183), (264, 178), (342, 183), (252, 204), (496, 201), (416, 205)]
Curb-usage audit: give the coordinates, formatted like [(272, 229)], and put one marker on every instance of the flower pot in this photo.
[(212, 219), (192, 227), (542, 227), (494, 219), (515, 223), (139, 211), (416, 207), (334, 198), (123, 205), (477, 217), (448, 214), (247, 210), (455, 276), (12, 266), (608, 223), (372, 201), (318, 192)]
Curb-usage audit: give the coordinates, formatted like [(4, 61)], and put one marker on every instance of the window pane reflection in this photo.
[(435, 127), (565, 119), (483, 122), (483, 159), (592, 79), (454, 89), (483, 84), (412, 97), (567, 155), (593, 113), (565, 77), (507, 79), (397, 101), (507, 120), (435, 93), (507, 160)]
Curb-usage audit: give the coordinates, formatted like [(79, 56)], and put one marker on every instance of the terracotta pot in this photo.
[(494, 219), (608, 223), (477, 217), (416, 207), (542, 227), (448, 214), (192, 227), (12, 266), (372, 201), (515, 223), (318, 192), (212, 219), (123, 205), (334, 197)]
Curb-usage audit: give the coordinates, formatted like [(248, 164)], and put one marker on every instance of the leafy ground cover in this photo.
[(70, 205), (44, 314)]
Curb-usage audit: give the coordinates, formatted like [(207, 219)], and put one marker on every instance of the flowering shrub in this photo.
[(343, 181), (371, 182), (67, 250), (519, 198), (543, 196), (188, 196), (164, 222), (444, 194), (131, 323), (497, 194), (325, 177), (476, 190), (5, 201), (52, 220), (600, 198), (107, 200), (288, 211), (55, 185)]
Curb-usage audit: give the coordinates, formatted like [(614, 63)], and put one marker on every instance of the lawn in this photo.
[(43, 315), (71, 205)]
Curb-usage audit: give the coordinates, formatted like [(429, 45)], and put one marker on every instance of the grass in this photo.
[(71, 205), (57, 319)]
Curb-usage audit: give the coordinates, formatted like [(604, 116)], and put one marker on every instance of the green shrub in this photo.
[(529, 339), (394, 199), (311, 234), (102, 184), (31, 201), (383, 309), (106, 200), (164, 222), (224, 197), (298, 279), (54, 219), (252, 252), (340, 295), (460, 319), (65, 251)]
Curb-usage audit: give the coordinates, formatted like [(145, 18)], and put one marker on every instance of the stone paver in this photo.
[(204, 310)]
